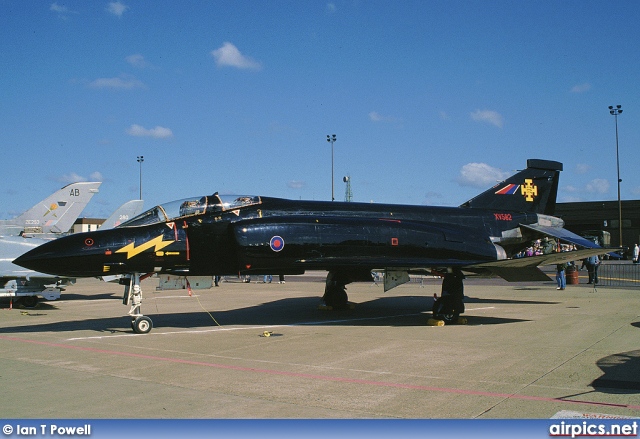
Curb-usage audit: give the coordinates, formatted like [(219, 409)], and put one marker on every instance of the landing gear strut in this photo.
[(140, 324), (450, 304), (335, 290)]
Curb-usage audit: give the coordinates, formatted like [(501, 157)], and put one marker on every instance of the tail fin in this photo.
[(58, 212), (123, 213), (532, 190)]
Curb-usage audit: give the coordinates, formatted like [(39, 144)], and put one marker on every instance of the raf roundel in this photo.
[(276, 243)]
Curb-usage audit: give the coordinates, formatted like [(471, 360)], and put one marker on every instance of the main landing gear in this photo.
[(446, 308), (450, 304), (335, 291), (140, 324)]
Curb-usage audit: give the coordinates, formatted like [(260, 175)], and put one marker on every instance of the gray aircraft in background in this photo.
[(23, 285), (54, 214), (124, 213)]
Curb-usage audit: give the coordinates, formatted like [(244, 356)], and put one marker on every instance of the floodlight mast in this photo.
[(614, 111), (140, 160), (331, 139)]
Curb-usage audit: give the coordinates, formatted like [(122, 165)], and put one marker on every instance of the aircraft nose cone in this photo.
[(40, 259), (55, 257)]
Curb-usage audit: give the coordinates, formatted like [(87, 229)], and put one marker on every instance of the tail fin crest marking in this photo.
[(532, 190)]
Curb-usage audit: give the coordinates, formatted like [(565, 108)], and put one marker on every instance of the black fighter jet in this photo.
[(240, 235)]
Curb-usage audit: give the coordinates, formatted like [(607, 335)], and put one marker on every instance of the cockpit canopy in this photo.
[(190, 207)]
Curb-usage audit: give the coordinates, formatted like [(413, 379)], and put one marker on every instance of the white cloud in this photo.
[(229, 56), (488, 116), (123, 82), (296, 184), (582, 168), (71, 178), (480, 175), (569, 199), (57, 8), (62, 11), (581, 88), (374, 116), (96, 176), (157, 132), (117, 8), (138, 61), (598, 186)]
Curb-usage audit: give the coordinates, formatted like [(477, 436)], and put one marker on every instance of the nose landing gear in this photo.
[(140, 323)]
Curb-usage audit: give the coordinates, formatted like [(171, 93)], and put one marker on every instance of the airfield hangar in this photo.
[(599, 219)]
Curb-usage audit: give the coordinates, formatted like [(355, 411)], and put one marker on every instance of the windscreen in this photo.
[(190, 207)]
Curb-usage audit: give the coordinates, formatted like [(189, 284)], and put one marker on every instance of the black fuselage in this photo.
[(286, 237)]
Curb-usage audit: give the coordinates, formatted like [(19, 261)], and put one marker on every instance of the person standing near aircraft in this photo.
[(592, 263), (561, 278)]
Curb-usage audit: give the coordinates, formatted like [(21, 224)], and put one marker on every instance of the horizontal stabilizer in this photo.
[(562, 234), (536, 261), (508, 268)]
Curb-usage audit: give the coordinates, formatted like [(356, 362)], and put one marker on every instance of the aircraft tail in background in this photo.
[(54, 214), (123, 213)]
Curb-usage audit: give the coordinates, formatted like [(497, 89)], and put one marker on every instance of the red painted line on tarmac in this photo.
[(321, 377)]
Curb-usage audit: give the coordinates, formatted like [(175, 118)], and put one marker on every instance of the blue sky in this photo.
[(431, 101)]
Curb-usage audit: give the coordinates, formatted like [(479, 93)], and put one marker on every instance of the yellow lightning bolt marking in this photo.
[(131, 250), (529, 190)]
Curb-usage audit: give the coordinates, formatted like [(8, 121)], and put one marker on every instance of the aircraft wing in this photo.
[(512, 270), (526, 269)]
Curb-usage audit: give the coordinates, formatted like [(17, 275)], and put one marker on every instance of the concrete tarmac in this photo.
[(528, 351)]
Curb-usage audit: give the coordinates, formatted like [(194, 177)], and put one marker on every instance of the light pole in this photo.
[(615, 111), (331, 139), (140, 160)]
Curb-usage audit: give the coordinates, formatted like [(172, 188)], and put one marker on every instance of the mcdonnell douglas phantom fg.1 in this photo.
[(222, 235)]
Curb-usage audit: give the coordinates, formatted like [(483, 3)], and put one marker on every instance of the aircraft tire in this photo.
[(142, 325), (336, 297), (444, 310), (29, 301)]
